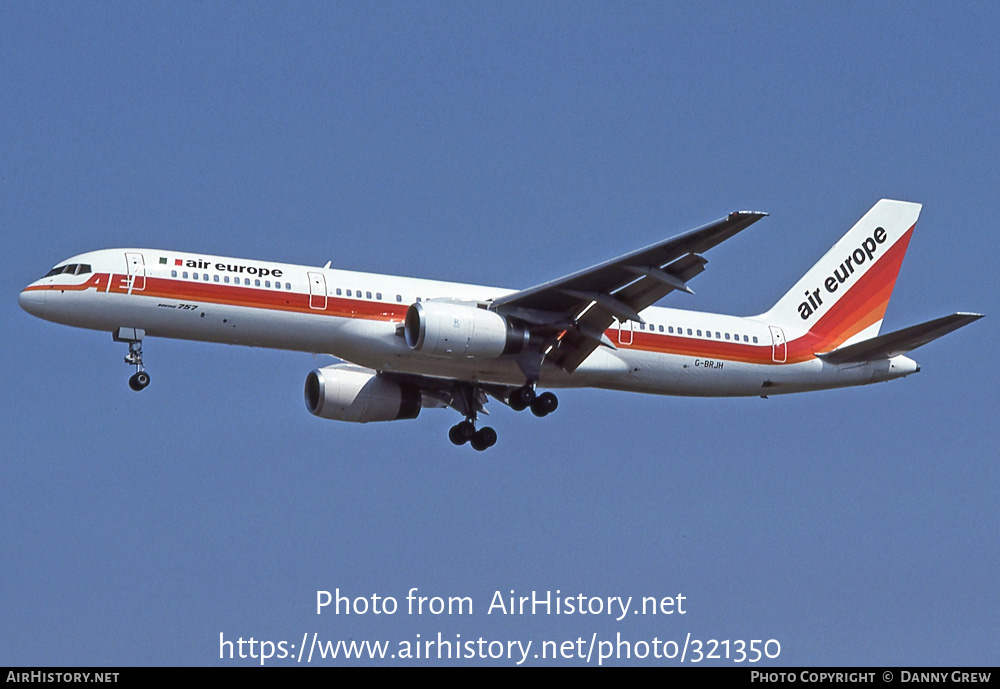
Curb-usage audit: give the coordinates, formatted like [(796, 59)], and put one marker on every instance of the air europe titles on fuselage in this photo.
[(229, 267)]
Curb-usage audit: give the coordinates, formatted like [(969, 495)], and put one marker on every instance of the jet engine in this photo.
[(461, 331), (347, 393)]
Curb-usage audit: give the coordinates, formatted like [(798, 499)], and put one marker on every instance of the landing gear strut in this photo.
[(133, 336)]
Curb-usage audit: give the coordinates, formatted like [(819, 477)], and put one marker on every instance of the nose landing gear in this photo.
[(133, 336), (138, 380)]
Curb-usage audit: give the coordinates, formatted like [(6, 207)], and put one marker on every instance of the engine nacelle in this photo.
[(459, 331), (347, 393)]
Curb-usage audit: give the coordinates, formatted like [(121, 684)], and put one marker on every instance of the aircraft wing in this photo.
[(576, 310), (899, 342)]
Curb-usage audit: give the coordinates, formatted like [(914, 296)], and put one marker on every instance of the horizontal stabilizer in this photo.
[(899, 342)]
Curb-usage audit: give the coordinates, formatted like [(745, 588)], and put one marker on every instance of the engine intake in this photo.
[(346, 393), (459, 331)]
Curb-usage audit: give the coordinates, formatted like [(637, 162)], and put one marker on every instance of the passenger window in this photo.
[(745, 339), (216, 277), (338, 291), (699, 333), (755, 339), (661, 328), (717, 335), (173, 273), (256, 283), (204, 276), (378, 295), (288, 286), (348, 292), (185, 275), (689, 331), (727, 336), (399, 298), (267, 283)]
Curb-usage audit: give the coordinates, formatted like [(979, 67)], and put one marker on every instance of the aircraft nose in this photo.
[(32, 301)]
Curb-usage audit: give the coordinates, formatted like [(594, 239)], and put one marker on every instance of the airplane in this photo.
[(406, 344)]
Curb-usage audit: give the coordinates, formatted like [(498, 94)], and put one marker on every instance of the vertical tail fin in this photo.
[(842, 299)]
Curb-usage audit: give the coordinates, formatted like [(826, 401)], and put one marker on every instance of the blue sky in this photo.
[(503, 144)]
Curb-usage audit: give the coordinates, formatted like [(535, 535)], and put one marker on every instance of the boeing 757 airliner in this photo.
[(407, 343)]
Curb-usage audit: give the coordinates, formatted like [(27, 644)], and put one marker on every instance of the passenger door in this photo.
[(779, 348), (136, 271), (317, 291)]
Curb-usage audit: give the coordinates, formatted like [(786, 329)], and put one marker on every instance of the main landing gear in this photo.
[(470, 399), (465, 432), (133, 336), (524, 397)]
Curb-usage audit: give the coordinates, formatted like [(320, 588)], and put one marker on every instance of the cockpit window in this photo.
[(71, 269)]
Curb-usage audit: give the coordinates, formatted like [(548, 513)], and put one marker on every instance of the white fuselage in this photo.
[(357, 317)]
